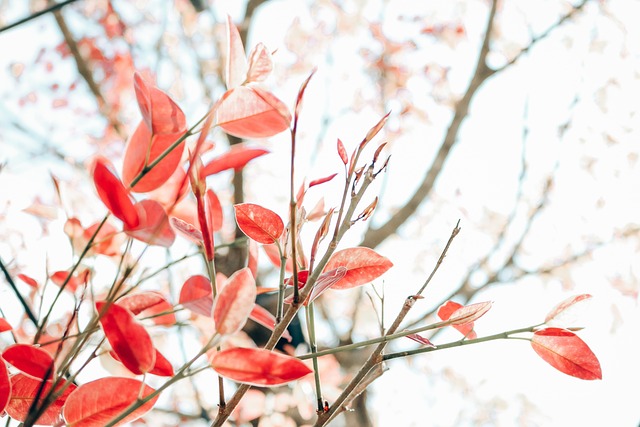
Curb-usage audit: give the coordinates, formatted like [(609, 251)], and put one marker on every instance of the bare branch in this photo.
[(52, 8)]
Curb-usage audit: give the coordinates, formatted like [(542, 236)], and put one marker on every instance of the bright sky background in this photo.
[(594, 57)]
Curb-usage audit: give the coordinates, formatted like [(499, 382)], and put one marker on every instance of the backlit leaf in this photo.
[(363, 265), (214, 211), (188, 230), (24, 390), (197, 295), (159, 112), (258, 223), (562, 312), (96, 403), (128, 338), (250, 112), (113, 194), (258, 367), (234, 302), (446, 310), (236, 158), (4, 326), (77, 279), (236, 60), (154, 228), (30, 360), (264, 317), (149, 304), (422, 340), (342, 152), (260, 64), (566, 352), (5, 387)]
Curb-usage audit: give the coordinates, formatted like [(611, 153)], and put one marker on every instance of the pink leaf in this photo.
[(197, 295), (96, 403), (363, 265), (154, 226), (562, 310), (566, 352), (236, 158), (235, 302), (422, 340), (29, 359), (322, 180), (258, 367), (260, 64), (262, 316), (188, 230), (446, 310), (113, 194), (342, 152), (147, 304), (258, 223), (214, 211), (5, 387), (128, 339), (236, 63), (160, 113)]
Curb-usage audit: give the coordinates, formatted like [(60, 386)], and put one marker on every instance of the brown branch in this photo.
[(54, 7), (374, 236), (85, 71)]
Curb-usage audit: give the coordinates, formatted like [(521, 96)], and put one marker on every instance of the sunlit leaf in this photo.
[(149, 304), (322, 180), (566, 352), (162, 367), (159, 112), (258, 223), (4, 326), (113, 194), (5, 387), (214, 211), (96, 403), (236, 158), (235, 71), (24, 390), (446, 310), (274, 256), (77, 279), (264, 317), (363, 265), (154, 228), (28, 280), (258, 367), (128, 338), (562, 312), (250, 112), (30, 360), (190, 231), (342, 152), (422, 340), (234, 302), (260, 64), (197, 295)]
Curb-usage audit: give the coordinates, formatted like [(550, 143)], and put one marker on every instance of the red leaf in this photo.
[(422, 340), (214, 211), (236, 61), (252, 263), (5, 387), (446, 310), (162, 367), (128, 338), (261, 315), (113, 194), (197, 295), (28, 280), (325, 281), (96, 403), (260, 64), (81, 278), (23, 392), (4, 327), (173, 190), (147, 304), (188, 230), (562, 310), (30, 360), (322, 180), (566, 352), (342, 152), (258, 223), (107, 241), (143, 149), (274, 257), (258, 367), (154, 226), (469, 313), (159, 112), (363, 265), (236, 158), (250, 112), (235, 302)]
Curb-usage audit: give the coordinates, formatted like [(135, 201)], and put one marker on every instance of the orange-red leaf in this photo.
[(24, 390), (363, 265), (81, 278), (197, 295), (422, 340), (187, 230), (342, 152), (149, 304), (322, 180), (258, 223), (250, 112), (258, 367), (144, 148), (566, 352), (162, 367), (236, 158), (28, 280), (159, 112), (31, 360), (128, 338), (154, 226), (274, 257), (113, 194), (446, 310), (214, 211), (96, 403), (5, 387), (261, 315), (234, 302), (4, 326)]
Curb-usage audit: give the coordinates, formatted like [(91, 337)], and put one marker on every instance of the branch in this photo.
[(23, 302), (52, 8)]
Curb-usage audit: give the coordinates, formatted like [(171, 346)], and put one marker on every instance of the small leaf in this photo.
[(113, 194), (566, 352), (236, 61), (128, 339), (264, 317), (322, 180), (422, 340), (188, 230), (214, 211), (258, 367), (80, 278), (461, 321), (96, 403), (236, 158), (28, 280), (274, 256), (260, 64), (469, 313), (5, 387), (29, 359), (363, 265), (147, 304), (561, 312), (301, 91), (4, 327), (234, 302), (154, 226), (197, 295), (250, 112), (24, 390), (342, 152), (258, 223), (374, 130)]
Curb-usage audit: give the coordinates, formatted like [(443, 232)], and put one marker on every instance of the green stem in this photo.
[(281, 286), (312, 343)]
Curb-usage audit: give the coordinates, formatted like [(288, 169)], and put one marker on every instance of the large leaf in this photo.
[(154, 228), (24, 390), (5, 387), (363, 265), (250, 112), (234, 302), (197, 295), (236, 158), (258, 367), (566, 352), (113, 194), (128, 338), (149, 304), (159, 112), (31, 360), (144, 148), (96, 403), (258, 223)]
